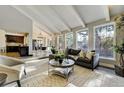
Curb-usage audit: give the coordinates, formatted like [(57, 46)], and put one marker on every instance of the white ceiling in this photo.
[(116, 9), (13, 21), (90, 13), (57, 18)]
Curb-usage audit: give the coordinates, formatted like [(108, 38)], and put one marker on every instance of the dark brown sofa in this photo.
[(92, 64), (74, 55)]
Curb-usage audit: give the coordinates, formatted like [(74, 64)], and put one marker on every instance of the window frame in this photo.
[(82, 30), (65, 38), (114, 41)]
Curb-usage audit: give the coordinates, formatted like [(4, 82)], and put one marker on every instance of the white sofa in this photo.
[(14, 68)]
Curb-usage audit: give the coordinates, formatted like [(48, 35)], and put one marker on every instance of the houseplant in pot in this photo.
[(119, 47), (59, 57), (119, 68), (120, 50)]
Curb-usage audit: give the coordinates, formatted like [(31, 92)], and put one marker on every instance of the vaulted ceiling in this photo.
[(58, 18)]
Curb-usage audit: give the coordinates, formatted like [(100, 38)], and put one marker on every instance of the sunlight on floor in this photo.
[(31, 68)]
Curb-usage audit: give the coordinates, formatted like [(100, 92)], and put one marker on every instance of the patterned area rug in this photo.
[(45, 81)]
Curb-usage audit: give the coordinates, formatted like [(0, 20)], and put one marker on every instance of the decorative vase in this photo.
[(60, 61)]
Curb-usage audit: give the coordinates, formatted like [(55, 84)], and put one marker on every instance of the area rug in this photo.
[(100, 77), (45, 81)]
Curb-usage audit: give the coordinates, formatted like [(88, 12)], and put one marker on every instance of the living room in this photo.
[(61, 46)]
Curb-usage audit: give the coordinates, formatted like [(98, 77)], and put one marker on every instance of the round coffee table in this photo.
[(63, 69)]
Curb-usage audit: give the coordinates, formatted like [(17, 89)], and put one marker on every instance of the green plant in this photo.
[(119, 21), (120, 50), (59, 56), (53, 49)]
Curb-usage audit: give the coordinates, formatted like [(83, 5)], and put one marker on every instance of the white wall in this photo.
[(3, 39), (11, 20)]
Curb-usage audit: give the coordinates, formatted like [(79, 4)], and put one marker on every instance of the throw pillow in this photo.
[(74, 52), (69, 51), (89, 55), (82, 54)]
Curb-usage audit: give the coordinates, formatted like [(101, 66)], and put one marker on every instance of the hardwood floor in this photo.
[(37, 76), (11, 54)]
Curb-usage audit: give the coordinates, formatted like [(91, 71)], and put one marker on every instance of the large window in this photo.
[(60, 42), (69, 40), (82, 40), (104, 39)]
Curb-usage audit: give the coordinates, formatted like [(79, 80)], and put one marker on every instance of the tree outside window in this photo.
[(69, 40), (60, 42), (104, 40), (82, 40)]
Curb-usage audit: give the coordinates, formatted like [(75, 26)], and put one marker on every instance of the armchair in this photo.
[(14, 69)]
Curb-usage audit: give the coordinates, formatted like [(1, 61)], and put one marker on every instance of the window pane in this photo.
[(82, 40), (104, 39), (60, 42), (69, 40)]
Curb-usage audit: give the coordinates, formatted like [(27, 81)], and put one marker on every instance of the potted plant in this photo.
[(59, 57), (120, 50)]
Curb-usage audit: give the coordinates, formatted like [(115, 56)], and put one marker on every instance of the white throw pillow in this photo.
[(89, 55), (82, 54)]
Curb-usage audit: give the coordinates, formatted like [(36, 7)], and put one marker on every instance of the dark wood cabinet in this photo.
[(14, 39), (24, 51), (12, 48)]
